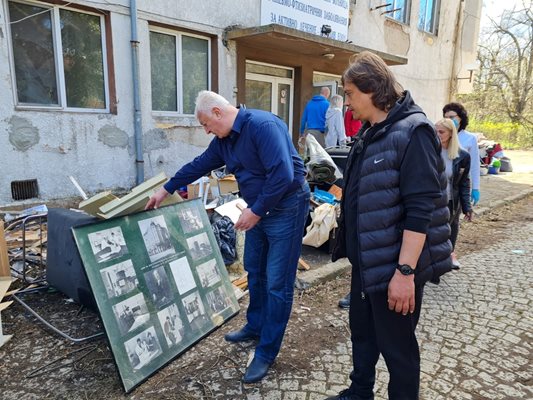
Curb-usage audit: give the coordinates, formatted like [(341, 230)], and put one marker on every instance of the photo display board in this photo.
[(159, 282)]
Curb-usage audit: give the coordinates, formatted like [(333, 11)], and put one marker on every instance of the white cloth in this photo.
[(324, 220), (468, 141)]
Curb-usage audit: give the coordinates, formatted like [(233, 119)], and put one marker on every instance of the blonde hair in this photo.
[(336, 101), (453, 145)]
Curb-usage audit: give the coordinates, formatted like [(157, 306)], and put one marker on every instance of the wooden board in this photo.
[(4, 259), (5, 305), (5, 282)]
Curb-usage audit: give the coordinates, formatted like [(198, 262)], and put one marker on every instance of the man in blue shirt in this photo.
[(314, 117), (255, 146)]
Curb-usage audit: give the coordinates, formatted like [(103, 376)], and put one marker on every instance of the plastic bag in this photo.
[(320, 166), (226, 238), (324, 220)]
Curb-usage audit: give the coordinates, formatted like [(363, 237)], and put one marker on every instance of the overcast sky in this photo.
[(495, 8)]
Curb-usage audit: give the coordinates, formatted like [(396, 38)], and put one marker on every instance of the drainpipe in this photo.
[(452, 87), (137, 120)]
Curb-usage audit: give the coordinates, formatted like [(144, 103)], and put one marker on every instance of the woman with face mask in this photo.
[(457, 163), (468, 141)]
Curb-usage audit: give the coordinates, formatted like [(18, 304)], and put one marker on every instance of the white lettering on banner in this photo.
[(308, 15)]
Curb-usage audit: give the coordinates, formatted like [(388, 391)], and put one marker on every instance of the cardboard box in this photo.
[(228, 184), (193, 190)]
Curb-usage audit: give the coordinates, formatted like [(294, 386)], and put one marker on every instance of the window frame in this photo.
[(178, 34), (435, 16), (408, 4), (58, 60)]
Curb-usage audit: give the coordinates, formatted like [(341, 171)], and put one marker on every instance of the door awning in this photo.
[(281, 38)]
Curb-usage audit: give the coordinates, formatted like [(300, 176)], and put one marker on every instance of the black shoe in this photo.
[(345, 301), (346, 394), (256, 371), (242, 335)]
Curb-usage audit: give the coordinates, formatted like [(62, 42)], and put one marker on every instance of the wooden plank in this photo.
[(137, 204), (93, 204), (4, 259), (5, 305), (302, 265), (16, 290), (145, 188), (336, 191), (4, 285)]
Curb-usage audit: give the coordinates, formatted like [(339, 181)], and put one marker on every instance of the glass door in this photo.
[(267, 90)]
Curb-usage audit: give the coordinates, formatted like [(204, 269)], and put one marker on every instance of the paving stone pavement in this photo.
[(475, 335)]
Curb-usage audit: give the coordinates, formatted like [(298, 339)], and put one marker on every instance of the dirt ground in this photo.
[(38, 364)]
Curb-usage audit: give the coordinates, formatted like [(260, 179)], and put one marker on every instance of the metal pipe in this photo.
[(137, 116)]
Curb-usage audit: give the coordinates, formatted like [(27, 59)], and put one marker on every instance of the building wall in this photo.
[(431, 69), (98, 149)]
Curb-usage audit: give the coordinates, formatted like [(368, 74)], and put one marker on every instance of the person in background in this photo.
[(351, 125), (256, 146), (334, 123), (468, 141), (314, 118), (457, 162), (393, 227)]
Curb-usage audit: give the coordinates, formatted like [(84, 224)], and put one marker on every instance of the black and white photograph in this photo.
[(199, 246), (131, 313), (208, 273), (195, 310), (170, 320), (158, 291), (190, 219), (218, 300), (143, 348), (119, 279), (156, 237), (158, 286), (108, 244), (181, 271)]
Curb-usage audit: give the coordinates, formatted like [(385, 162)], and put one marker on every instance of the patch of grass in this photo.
[(508, 134)]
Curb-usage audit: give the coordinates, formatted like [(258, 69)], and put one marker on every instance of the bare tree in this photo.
[(504, 84)]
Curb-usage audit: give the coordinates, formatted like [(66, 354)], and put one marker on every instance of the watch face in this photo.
[(406, 269)]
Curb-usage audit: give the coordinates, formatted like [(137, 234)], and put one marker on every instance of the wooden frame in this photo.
[(159, 282)]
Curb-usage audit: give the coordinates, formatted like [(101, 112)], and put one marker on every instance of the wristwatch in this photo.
[(405, 269)]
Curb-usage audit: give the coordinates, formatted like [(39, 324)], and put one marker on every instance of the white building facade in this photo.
[(91, 92)]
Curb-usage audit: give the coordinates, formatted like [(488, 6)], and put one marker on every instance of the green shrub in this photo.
[(508, 134)]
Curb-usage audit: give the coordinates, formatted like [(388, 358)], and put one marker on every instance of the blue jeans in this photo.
[(271, 253)]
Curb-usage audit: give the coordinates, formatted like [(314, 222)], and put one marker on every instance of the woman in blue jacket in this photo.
[(457, 162)]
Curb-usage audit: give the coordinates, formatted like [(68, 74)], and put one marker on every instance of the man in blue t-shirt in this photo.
[(256, 146), (314, 117)]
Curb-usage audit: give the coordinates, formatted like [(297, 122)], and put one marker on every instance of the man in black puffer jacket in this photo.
[(393, 227)]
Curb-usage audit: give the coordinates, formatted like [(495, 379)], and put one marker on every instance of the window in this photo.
[(180, 65), (428, 16), (399, 10), (58, 57)]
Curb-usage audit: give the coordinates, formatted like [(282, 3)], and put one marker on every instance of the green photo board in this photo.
[(159, 282)]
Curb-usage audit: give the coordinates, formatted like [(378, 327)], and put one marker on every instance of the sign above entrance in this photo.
[(328, 18)]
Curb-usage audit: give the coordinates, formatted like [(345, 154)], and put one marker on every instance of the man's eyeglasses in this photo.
[(451, 116)]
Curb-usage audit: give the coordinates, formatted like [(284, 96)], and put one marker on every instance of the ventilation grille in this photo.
[(22, 190)]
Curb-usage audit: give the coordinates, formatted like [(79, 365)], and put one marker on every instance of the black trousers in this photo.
[(377, 330), (454, 224)]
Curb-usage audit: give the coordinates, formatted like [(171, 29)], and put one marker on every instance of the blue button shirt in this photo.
[(260, 153)]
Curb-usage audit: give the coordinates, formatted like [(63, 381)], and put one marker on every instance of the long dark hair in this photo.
[(370, 74), (459, 109)]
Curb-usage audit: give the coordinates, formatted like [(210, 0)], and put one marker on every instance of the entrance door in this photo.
[(332, 85), (270, 92)]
